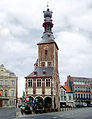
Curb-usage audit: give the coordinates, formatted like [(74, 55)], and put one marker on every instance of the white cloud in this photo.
[(21, 29)]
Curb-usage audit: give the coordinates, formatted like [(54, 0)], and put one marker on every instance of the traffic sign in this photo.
[(27, 99), (36, 100)]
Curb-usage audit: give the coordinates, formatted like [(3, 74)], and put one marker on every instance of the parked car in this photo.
[(84, 104), (89, 105), (68, 106), (62, 106), (79, 105)]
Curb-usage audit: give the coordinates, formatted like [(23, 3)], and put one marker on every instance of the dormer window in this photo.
[(48, 36), (35, 73), (43, 64)]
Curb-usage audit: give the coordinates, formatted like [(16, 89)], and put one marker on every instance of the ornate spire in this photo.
[(47, 20), (48, 36)]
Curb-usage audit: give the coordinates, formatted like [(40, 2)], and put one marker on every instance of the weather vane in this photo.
[(48, 4)]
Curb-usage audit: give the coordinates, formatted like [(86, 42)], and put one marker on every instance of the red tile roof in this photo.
[(67, 88)]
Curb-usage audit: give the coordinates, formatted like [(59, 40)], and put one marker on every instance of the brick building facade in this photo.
[(81, 88), (43, 82)]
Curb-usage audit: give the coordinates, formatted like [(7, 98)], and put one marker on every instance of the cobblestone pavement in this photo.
[(8, 113), (82, 113)]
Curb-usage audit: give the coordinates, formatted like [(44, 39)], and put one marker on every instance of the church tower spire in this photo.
[(47, 21)]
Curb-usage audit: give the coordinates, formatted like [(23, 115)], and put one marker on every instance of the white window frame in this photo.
[(1, 82), (36, 82), (61, 98), (13, 82), (45, 82), (12, 92), (28, 82), (65, 98), (5, 102), (70, 97), (6, 83)]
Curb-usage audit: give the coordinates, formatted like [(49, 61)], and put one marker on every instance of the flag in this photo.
[(0, 92), (5, 92)]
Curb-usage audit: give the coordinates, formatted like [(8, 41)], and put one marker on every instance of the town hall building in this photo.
[(43, 82)]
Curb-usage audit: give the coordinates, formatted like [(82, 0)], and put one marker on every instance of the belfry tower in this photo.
[(46, 67), (47, 48)]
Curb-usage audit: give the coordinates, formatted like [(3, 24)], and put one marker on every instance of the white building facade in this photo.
[(8, 88), (66, 97)]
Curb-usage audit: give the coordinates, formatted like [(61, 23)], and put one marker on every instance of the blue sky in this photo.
[(21, 29)]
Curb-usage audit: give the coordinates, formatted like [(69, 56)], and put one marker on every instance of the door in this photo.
[(1, 103)]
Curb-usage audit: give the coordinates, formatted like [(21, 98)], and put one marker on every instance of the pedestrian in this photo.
[(22, 111)]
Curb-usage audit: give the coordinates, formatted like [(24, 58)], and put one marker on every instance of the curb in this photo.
[(8, 108), (18, 114)]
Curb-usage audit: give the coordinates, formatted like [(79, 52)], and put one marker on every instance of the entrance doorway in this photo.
[(1, 102), (48, 102), (39, 104)]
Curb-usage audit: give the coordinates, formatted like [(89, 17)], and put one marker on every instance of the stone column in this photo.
[(52, 102)]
